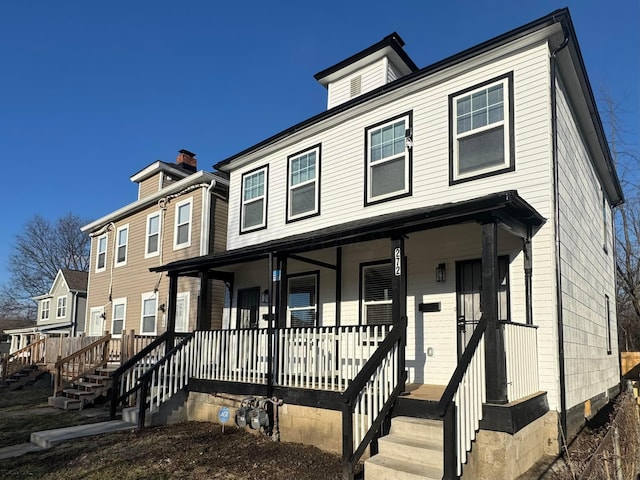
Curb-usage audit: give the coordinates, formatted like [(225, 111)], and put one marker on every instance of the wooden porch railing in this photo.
[(32, 354), (521, 348), (71, 368), (371, 395)]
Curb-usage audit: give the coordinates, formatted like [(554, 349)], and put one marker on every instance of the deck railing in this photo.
[(71, 368), (521, 349), (32, 354)]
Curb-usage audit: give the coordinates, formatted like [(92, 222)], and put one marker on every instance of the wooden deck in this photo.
[(419, 391)]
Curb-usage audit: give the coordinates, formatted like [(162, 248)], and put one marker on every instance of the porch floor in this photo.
[(419, 391)]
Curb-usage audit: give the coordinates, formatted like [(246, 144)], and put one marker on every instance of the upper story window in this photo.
[(182, 234), (376, 297), (44, 311), (388, 159), (101, 257), (254, 200), (303, 185), (118, 316), (61, 310), (302, 305), (152, 247), (122, 239), (149, 313), (481, 130)]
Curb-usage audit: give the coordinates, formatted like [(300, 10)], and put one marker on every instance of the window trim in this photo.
[(148, 235), (265, 197), (316, 275), (62, 307), (46, 303), (144, 297), (408, 190), (118, 301), (117, 246), (98, 253), (361, 317), (316, 211), (608, 319), (509, 126), (176, 225), (187, 300)]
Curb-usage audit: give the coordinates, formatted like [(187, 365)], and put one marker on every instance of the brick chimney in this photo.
[(187, 160)]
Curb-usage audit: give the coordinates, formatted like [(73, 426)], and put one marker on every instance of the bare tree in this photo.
[(627, 228), (41, 249)]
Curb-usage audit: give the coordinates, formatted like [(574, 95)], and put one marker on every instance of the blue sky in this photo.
[(93, 91)]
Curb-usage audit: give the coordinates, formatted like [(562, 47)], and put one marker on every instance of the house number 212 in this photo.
[(397, 256)]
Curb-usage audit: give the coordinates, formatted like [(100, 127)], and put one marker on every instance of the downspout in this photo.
[(556, 199)]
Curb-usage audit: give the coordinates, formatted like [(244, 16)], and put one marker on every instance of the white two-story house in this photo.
[(463, 212)]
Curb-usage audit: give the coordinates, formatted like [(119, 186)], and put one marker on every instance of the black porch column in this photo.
[(528, 273), (171, 311), (203, 321), (495, 361), (399, 297), (281, 298)]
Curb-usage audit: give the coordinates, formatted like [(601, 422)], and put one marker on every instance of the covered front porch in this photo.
[(420, 303)]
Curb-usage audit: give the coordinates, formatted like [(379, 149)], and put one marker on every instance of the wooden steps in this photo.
[(26, 376), (84, 391)]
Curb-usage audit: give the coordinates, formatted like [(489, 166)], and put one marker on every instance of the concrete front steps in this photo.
[(85, 391), (411, 451)]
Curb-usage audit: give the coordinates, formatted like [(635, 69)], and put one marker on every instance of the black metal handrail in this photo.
[(145, 378), (446, 401), (349, 456)]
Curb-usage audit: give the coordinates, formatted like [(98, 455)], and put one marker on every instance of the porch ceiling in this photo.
[(507, 208)]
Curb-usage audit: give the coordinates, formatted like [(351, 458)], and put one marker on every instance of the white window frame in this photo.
[(148, 235), (45, 307), (313, 308), (61, 306), (99, 311), (145, 297), (315, 181), (263, 197), (102, 252), (364, 302), (118, 301), (506, 123), (371, 164), (177, 224), (184, 297), (118, 245)]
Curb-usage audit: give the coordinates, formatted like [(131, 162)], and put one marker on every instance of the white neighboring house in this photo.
[(472, 198), (60, 312)]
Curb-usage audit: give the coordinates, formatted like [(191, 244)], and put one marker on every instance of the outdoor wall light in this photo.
[(162, 307), (264, 298), (441, 272)]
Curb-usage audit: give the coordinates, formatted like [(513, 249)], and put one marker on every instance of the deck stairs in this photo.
[(25, 376), (411, 451), (85, 391)]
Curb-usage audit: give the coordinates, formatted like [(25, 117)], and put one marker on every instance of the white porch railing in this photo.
[(325, 358), (521, 349)]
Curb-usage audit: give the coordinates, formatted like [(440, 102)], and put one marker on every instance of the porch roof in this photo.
[(507, 208)]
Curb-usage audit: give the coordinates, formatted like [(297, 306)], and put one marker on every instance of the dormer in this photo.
[(160, 174), (367, 70)]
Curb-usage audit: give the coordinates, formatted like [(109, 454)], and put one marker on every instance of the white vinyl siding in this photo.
[(118, 315), (254, 200), (303, 184), (152, 242), (182, 231), (101, 253), (149, 320), (182, 312), (481, 130), (302, 304), (122, 239), (371, 77), (61, 310), (45, 307)]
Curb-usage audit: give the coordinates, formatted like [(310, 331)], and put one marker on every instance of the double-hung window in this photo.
[(44, 311), (303, 185), (149, 313), (152, 247), (61, 310), (182, 234), (376, 296), (481, 130), (118, 316), (101, 257), (388, 159), (302, 300), (254, 200), (122, 238)]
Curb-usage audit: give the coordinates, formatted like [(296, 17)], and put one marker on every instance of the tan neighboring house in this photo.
[(60, 312), (180, 213)]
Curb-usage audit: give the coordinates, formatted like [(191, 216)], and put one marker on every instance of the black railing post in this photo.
[(270, 321), (171, 312), (450, 457), (115, 388), (347, 441), (142, 401)]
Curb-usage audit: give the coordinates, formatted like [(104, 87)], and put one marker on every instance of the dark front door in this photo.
[(248, 305), (468, 287)]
